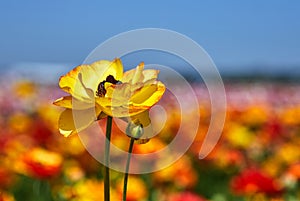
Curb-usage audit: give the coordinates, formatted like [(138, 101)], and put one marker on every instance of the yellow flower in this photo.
[(240, 136), (25, 89), (101, 89), (85, 190)]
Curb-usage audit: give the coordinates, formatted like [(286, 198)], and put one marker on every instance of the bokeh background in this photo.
[(255, 46)]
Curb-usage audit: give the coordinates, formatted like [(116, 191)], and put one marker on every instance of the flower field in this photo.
[(257, 157)]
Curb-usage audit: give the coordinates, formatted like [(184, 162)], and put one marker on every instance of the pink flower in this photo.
[(185, 196)]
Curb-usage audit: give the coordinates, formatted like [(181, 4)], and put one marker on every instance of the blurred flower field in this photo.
[(257, 157)]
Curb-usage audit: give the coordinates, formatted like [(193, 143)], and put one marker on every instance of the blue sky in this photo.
[(237, 33)]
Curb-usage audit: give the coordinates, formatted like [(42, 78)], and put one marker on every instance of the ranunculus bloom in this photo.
[(101, 89), (41, 163), (253, 181)]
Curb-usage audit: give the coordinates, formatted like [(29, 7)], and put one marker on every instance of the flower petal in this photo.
[(149, 94), (115, 68), (124, 110), (98, 71), (118, 91), (109, 102), (150, 74), (70, 84), (74, 121), (138, 75), (72, 103), (145, 98), (135, 75), (65, 102), (116, 95), (143, 93), (141, 118)]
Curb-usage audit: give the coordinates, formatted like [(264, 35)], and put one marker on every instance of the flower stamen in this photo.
[(101, 89)]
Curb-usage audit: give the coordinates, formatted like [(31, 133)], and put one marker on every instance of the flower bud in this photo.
[(134, 130)]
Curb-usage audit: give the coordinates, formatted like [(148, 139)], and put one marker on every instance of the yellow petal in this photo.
[(148, 95), (125, 107), (150, 74), (70, 84), (141, 118), (116, 95), (134, 87), (118, 91), (124, 110), (117, 111), (74, 121), (135, 75), (98, 71), (143, 93), (65, 102), (115, 68), (72, 103), (138, 75), (128, 76)]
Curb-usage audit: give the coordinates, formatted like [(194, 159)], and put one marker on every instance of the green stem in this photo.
[(106, 159), (127, 168)]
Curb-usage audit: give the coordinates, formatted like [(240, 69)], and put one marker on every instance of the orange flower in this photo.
[(136, 190), (6, 197), (294, 171), (180, 173), (41, 163)]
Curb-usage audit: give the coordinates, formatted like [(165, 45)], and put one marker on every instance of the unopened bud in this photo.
[(134, 131)]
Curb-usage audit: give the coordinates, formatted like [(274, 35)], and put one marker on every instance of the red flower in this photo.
[(253, 181)]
